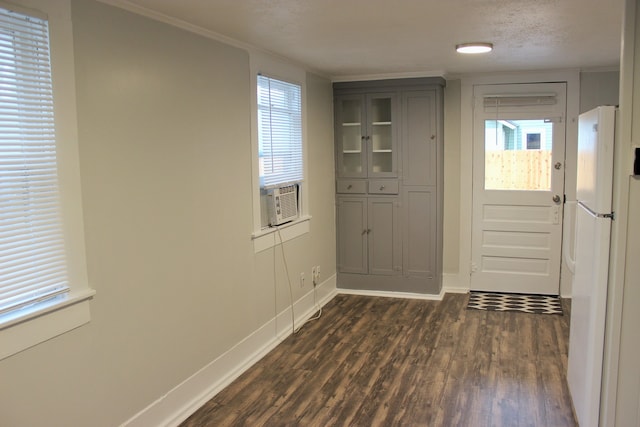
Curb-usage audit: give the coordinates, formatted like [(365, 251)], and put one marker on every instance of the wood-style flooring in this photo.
[(398, 362)]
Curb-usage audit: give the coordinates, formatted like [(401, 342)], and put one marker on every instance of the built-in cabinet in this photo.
[(389, 148)]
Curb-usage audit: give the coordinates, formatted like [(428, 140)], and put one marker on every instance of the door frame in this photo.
[(522, 281), (572, 79)]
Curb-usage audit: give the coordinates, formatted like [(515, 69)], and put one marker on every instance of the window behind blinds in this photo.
[(279, 132), (32, 255)]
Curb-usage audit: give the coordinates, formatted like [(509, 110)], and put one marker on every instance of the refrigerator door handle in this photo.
[(611, 216)]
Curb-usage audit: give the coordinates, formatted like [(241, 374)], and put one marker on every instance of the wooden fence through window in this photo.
[(518, 170)]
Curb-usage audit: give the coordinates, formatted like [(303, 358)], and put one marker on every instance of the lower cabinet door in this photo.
[(419, 224), (352, 234), (383, 230)]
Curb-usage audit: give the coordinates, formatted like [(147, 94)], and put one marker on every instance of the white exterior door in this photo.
[(518, 187)]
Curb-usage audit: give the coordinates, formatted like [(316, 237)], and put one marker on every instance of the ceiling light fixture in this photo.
[(474, 47)]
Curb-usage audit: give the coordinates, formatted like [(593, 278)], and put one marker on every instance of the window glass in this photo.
[(32, 252), (279, 132), (518, 154)]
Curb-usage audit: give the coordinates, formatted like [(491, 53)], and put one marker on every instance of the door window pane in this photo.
[(381, 135), (351, 136), (518, 154)]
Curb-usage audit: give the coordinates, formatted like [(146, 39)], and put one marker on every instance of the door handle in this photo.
[(556, 199)]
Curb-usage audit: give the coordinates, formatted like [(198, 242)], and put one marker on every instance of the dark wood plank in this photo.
[(381, 361)]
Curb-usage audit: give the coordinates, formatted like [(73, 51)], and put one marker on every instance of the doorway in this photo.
[(518, 187)]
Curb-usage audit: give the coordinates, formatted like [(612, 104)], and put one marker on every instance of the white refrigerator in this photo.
[(593, 230)]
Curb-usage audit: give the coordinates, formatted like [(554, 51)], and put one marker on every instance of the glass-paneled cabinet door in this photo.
[(350, 136), (380, 138)]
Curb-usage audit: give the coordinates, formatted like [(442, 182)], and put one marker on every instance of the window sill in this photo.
[(43, 322), (269, 237)]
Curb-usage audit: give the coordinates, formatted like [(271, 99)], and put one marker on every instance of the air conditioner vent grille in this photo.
[(283, 204)]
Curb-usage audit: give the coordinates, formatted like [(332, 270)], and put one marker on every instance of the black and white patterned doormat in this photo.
[(539, 304)]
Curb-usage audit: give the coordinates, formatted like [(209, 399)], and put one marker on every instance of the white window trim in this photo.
[(268, 238), (47, 320), (260, 63)]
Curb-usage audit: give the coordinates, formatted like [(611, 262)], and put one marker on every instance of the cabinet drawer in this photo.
[(352, 186), (381, 186)]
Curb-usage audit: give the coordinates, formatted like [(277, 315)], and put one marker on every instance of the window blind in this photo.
[(519, 100), (279, 132), (32, 255)]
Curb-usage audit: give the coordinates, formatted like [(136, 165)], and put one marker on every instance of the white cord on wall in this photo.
[(286, 270)]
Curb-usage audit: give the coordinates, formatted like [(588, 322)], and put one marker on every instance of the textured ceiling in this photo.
[(343, 38)]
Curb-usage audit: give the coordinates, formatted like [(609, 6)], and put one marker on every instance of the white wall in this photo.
[(599, 88), (164, 133), (451, 217), (621, 382)]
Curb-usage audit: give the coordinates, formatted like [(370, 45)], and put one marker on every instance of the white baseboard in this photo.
[(304, 308), (387, 294), (184, 399)]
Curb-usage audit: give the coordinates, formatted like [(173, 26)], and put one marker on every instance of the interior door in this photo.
[(518, 187)]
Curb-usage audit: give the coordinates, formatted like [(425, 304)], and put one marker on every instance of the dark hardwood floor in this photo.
[(397, 362)]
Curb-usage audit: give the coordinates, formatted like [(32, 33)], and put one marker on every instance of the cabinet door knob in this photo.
[(433, 137), (363, 232), (381, 187), (349, 187), (368, 230)]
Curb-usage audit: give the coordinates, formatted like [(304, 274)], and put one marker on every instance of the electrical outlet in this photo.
[(315, 272), (302, 280)]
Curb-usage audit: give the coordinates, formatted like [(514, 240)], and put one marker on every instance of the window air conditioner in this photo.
[(282, 203)]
